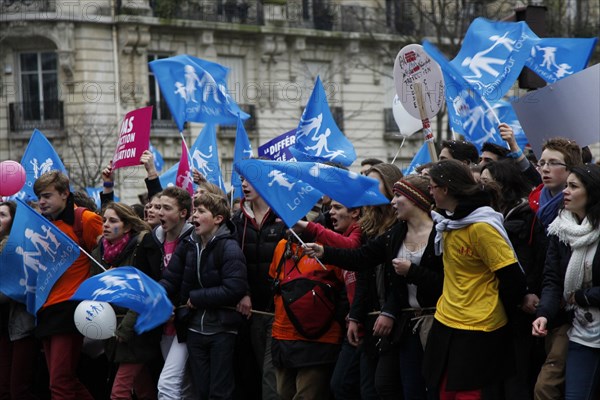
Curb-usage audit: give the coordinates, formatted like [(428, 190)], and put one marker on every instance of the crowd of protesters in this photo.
[(479, 280)]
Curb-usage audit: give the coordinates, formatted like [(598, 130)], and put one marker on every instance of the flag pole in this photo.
[(186, 147), (304, 244), (418, 88), (398, 152), (91, 258)]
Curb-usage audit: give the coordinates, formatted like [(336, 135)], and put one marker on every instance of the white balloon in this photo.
[(406, 122), (95, 319)]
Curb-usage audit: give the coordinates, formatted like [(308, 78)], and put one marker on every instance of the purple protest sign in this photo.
[(278, 148), (134, 138)]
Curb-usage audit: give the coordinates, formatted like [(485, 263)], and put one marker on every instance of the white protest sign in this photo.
[(414, 65), (568, 108)]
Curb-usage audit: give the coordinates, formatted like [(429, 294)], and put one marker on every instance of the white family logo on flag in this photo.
[(39, 170), (207, 84), (113, 284), (473, 118), (47, 243), (549, 61), (306, 127), (200, 160), (279, 178), (495, 55), (184, 180)]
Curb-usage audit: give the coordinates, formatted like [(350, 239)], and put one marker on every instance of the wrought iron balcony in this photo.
[(231, 11), (27, 116)]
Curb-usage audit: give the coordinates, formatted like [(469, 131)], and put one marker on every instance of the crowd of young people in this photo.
[(479, 280)]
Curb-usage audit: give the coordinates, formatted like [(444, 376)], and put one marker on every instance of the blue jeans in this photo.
[(354, 375), (582, 374), (211, 364)]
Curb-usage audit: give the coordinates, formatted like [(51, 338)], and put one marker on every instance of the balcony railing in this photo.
[(8, 7), (27, 116), (231, 11)]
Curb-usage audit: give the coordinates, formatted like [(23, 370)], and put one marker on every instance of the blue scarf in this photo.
[(549, 206)]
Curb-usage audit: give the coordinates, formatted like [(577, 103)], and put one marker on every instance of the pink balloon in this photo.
[(12, 177)]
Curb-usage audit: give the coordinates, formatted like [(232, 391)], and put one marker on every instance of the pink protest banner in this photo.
[(134, 138)]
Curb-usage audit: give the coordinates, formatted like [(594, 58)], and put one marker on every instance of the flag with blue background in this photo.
[(159, 163), (241, 151), (39, 158), (290, 198), (35, 256), (507, 114), (556, 58), (292, 189), (318, 137), (196, 90), (422, 157), (168, 177), (468, 113), (493, 54), (205, 156), (130, 288), (94, 193)]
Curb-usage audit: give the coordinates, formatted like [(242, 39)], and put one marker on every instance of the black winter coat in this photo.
[(428, 275), (551, 303), (212, 277), (258, 245)]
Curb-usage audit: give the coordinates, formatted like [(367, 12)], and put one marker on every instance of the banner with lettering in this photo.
[(134, 138), (277, 149)]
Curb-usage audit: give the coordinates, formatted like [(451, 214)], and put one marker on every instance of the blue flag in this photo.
[(168, 178), (292, 189), (94, 193), (493, 54), (196, 90), (422, 157), (556, 58), (130, 288), (205, 156), (241, 151), (159, 163), (39, 158), (349, 188), (468, 114), (36, 255), (290, 198), (318, 138)]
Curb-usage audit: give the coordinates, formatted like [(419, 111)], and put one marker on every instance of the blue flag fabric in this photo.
[(241, 151), (289, 197), (169, 177), (318, 138), (130, 288), (94, 193), (196, 90), (422, 157), (159, 163), (493, 54), (205, 156), (468, 115), (556, 58), (39, 158), (292, 189), (35, 256)]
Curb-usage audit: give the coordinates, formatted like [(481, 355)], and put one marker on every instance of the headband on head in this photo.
[(422, 200)]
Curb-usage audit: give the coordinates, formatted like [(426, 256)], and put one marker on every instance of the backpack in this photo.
[(310, 298)]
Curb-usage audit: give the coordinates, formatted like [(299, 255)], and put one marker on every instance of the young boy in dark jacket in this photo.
[(208, 274)]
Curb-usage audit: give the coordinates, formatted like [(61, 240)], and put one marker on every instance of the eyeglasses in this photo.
[(550, 164)]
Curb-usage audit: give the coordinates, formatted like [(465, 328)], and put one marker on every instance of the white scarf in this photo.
[(579, 237), (482, 214)]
